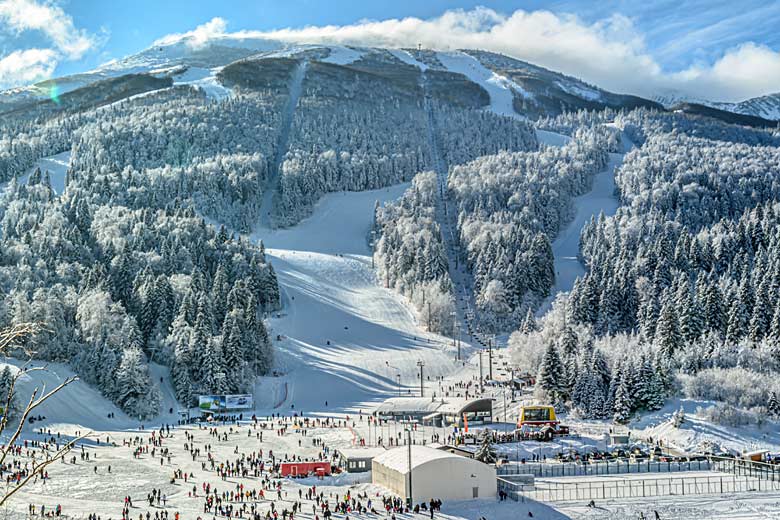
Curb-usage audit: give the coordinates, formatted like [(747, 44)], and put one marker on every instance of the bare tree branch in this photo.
[(38, 468)]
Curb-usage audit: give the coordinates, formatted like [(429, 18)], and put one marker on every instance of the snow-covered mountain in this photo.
[(519, 86), (766, 107)]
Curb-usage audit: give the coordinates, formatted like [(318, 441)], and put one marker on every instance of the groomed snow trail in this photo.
[(500, 88), (344, 337), (296, 83), (566, 247)]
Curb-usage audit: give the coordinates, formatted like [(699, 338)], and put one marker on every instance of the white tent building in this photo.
[(435, 474)]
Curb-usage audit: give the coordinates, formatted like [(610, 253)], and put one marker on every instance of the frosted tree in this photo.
[(552, 375), (486, 453)]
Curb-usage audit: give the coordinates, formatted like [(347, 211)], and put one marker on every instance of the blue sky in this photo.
[(672, 40)]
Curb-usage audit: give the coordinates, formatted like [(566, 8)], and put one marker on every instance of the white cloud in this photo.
[(26, 66), (610, 53), (29, 65), (199, 36), (745, 71), (51, 20)]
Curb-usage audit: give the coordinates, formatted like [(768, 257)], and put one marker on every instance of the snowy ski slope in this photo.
[(330, 294), (499, 87)]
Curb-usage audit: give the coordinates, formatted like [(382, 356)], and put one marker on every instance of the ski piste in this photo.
[(296, 83)]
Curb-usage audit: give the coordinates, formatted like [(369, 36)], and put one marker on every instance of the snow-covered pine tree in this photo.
[(486, 452), (552, 375)]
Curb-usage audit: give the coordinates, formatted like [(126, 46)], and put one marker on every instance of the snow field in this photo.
[(205, 80), (341, 55), (87, 487), (56, 165), (331, 294), (406, 57), (499, 87)]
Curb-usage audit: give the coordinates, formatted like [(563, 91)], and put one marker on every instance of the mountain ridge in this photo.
[(535, 91)]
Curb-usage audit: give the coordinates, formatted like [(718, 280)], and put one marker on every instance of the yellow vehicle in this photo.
[(537, 416)]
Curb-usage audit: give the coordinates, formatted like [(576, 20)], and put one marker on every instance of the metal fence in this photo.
[(556, 491), (514, 489), (742, 467), (574, 469)]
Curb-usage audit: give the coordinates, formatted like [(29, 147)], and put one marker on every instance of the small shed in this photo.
[(358, 460), (434, 474), (619, 439), (756, 456)]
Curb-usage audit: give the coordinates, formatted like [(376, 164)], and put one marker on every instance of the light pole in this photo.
[(373, 246), (490, 357), (397, 375), (409, 456), (480, 371), (421, 365)]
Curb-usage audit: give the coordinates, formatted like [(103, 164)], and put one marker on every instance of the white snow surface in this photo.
[(398, 458), (204, 79), (341, 55), (499, 87), (330, 294), (551, 138), (581, 91), (56, 165), (406, 57), (566, 246)]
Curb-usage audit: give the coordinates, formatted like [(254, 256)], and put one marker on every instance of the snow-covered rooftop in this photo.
[(398, 458), (361, 453), (417, 405)]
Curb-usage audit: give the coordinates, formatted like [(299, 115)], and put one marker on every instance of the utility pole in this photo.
[(480, 371), (490, 357), (421, 365), (503, 393), (409, 448), (429, 315), (458, 327), (373, 247)]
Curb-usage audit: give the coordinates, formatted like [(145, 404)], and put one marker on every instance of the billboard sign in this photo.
[(239, 402), (211, 403), (219, 403)]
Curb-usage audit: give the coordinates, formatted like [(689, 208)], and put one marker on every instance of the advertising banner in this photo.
[(211, 403), (239, 402), (220, 403)]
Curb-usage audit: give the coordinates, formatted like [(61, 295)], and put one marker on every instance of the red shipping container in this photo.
[(303, 469)]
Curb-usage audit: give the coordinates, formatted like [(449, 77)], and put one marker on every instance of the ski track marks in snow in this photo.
[(499, 87), (330, 293)]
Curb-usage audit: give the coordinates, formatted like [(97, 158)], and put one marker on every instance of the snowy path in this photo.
[(56, 165), (330, 294), (296, 84), (566, 246)]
